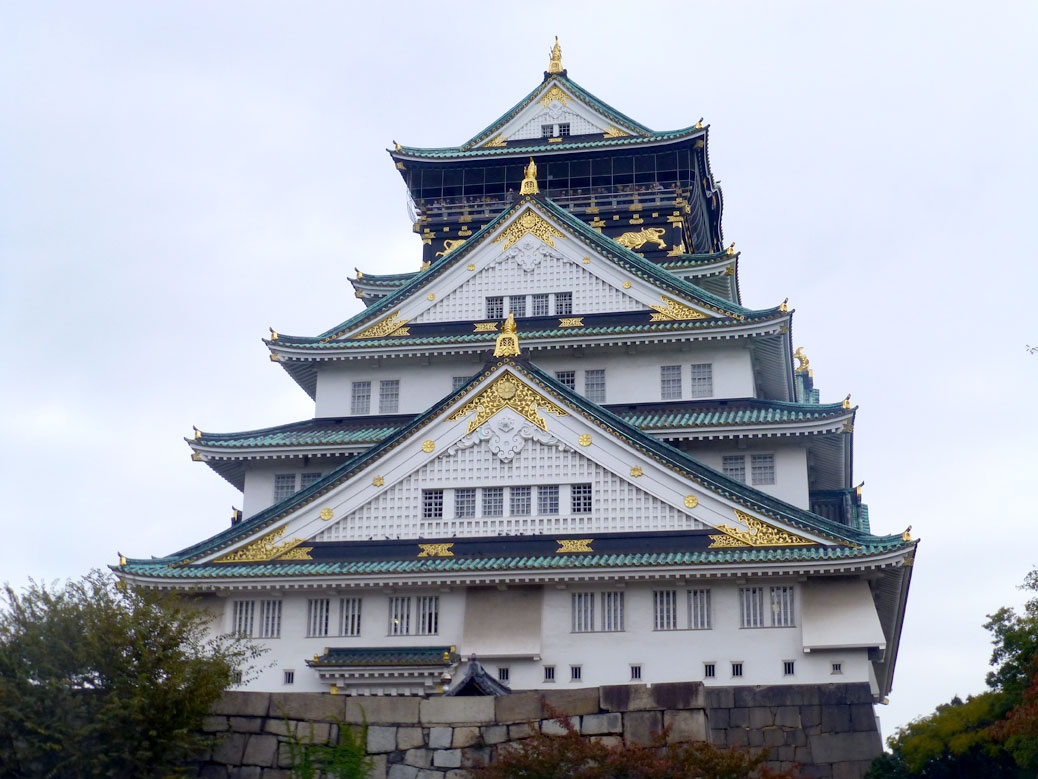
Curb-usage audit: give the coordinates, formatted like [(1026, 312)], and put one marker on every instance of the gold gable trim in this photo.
[(391, 325), (672, 310), (760, 533), (530, 222), (267, 548), (555, 93), (508, 392), (614, 132)]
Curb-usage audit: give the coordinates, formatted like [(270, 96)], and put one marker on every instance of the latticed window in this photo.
[(751, 607), (360, 400), (699, 609), (762, 468), (284, 486), (563, 129), (702, 380), (548, 499), (670, 382), (594, 385), (496, 307), (242, 614), (580, 499), (457, 382), (665, 609), (493, 501), (307, 479), (428, 615), (583, 605), (563, 303), (317, 611), (400, 616), (520, 499), (612, 611), (517, 305), (432, 504), (567, 378), (270, 619), (539, 305), (465, 502), (389, 396), (349, 616), (734, 466), (547, 130), (782, 607)]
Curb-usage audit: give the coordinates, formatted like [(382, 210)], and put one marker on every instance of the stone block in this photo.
[(761, 717), (465, 737), (756, 737), (379, 767), (229, 750), (518, 707), (457, 711), (381, 738), (242, 704), (783, 695), (557, 727), (572, 702), (495, 734), (430, 773), (719, 737), (684, 726), (802, 754), (409, 738), (318, 732), (474, 757), (447, 758), (746, 697), (246, 772), (810, 716), (787, 716), (863, 717), (383, 710), (797, 737), (214, 724), (307, 705), (281, 773), (261, 750), (738, 737), (440, 738), (419, 758), (213, 771), (720, 697), (640, 727), (785, 753), (836, 719), (738, 718), (833, 694), (284, 755), (245, 724), (774, 737), (402, 771), (598, 724), (281, 727), (626, 697), (841, 747), (817, 771), (522, 730), (679, 695), (456, 773), (611, 742), (718, 718)]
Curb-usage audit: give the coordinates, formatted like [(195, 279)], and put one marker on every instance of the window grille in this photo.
[(563, 129), (549, 673), (349, 616), (575, 673), (429, 615), (457, 382), (517, 305), (594, 385), (782, 607), (563, 303), (547, 130), (520, 499), (734, 466), (670, 382), (736, 669), (307, 479), (360, 401), (636, 672), (495, 307), (389, 396), (665, 611), (465, 503), (583, 606), (432, 504), (493, 501), (751, 607), (539, 304), (699, 609), (284, 486), (568, 378), (502, 673), (548, 499), (243, 615), (837, 668), (612, 611), (788, 667), (580, 498), (702, 380), (400, 616), (762, 468), (709, 670), (237, 677), (317, 610), (270, 619), (290, 677)]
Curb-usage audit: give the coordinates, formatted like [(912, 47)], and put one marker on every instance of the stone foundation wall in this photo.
[(830, 730)]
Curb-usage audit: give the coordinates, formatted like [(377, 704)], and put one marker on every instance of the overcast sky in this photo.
[(175, 177)]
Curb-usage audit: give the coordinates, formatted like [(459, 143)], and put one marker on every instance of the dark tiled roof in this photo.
[(385, 656)]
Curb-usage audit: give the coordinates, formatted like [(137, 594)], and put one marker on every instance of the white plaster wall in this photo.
[(791, 484)]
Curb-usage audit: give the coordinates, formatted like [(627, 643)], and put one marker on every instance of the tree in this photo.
[(99, 680)]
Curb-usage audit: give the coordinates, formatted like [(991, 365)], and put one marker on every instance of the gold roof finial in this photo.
[(555, 63), (847, 401), (529, 185), (730, 251), (122, 558), (699, 124), (785, 306), (804, 363), (273, 334), (397, 146), (907, 535), (508, 341), (198, 433)]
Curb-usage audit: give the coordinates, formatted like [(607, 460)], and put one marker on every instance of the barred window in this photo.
[(432, 504), (751, 607), (307, 479), (563, 129), (360, 400), (568, 378), (665, 609), (788, 667), (549, 673), (457, 382), (563, 303), (270, 619), (580, 498), (547, 130), (636, 673), (583, 606), (702, 380), (709, 670), (284, 486), (493, 501), (670, 382), (594, 385), (465, 502), (495, 307), (782, 607), (400, 616), (699, 609), (317, 611), (502, 673), (243, 615), (520, 499), (548, 499), (517, 305), (349, 616), (612, 611), (429, 615), (734, 466), (762, 468), (290, 677), (575, 673), (389, 396), (737, 669), (539, 304)]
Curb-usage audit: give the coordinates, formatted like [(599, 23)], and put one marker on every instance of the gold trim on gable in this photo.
[(555, 93), (391, 325), (672, 310), (508, 392), (530, 222), (760, 533), (267, 547)]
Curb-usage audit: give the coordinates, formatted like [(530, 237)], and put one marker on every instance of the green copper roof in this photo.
[(385, 656), (775, 412)]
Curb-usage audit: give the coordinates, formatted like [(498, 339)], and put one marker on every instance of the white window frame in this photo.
[(548, 499), (269, 620), (399, 615), (428, 615), (664, 609), (495, 307), (243, 614), (563, 304), (493, 501), (567, 379), (751, 607), (517, 305), (389, 396), (349, 616), (613, 611), (581, 498), (465, 502), (595, 385), (520, 501), (670, 382), (582, 616), (432, 504), (540, 305), (549, 673), (360, 398), (284, 486), (702, 380), (762, 469), (318, 617), (699, 615), (734, 466), (576, 673), (783, 606)]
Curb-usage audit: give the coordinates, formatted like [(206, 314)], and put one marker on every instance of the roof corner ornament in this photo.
[(122, 557), (508, 341), (699, 124), (273, 334), (784, 308), (907, 535), (198, 433), (847, 401), (397, 146), (804, 364), (730, 251), (555, 62), (529, 185)]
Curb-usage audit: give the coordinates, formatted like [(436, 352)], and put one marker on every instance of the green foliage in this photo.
[(100, 681), (345, 758)]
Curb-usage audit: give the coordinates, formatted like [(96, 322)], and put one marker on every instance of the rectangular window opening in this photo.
[(665, 612), (495, 307), (736, 669), (520, 501), (837, 668), (432, 504), (709, 670), (563, 303), (548, 499), (502, 673), (284, 486), (517, 305), (493, 501), (595, 385), (539, 305), (465, 503), (699, 609), (360, 398), (670, 382), (702, 380), (389, 396), (734, 466), (567, 378), (400, 616), (636, 672), (428, 615), (575, 673), (762, 468), (290, 677), (782, 607), (788, 667), (751, 607), (580, 499), (613, 611), (549, 673), (583, 612), (317, 611), (349, 616)]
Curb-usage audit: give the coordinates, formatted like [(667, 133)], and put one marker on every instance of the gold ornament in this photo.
[(508, 342), (803, 363), (614, 132), (555, 59), (555, 93), (529, 222), (263, 548), (378, 481), (760, 533), (529, 183), (691, 501), (326, 514), (672, 310), (391, 325), (574, 545), (627, 285), (636, 470), (485, 327), (449, 245), (428, 446), (508, 392), (584, 440), (571, 321), (436, 550), (635, 240)]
